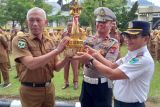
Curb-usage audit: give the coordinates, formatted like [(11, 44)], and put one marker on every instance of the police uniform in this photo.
[(4, 59), (138, 65), (36, 87), (96, 88)]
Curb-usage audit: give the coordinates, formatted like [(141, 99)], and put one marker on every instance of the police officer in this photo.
[(96, 88), (132, 73), (37, 55), (4, 59)]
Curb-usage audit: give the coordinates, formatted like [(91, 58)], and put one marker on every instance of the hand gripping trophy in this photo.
[(77, 35)]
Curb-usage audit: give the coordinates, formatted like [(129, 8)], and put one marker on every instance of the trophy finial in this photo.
[(76, 42), (75, 8)]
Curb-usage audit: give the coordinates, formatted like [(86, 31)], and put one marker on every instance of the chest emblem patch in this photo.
[(134, 60), (21, 44)]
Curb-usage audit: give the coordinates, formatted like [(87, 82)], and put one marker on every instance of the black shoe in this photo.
[(65, 86)]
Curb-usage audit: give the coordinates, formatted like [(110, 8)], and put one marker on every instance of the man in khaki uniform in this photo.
[(7, 39), (38, 57), (73, 63), (4, 60)]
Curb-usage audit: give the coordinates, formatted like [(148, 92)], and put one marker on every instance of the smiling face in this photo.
[(103, 27), (135, 42), (36, 22)]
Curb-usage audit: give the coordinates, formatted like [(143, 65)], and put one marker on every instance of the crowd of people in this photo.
[(154, 44), (37, 57)]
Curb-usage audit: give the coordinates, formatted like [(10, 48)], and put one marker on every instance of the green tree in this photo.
[(3, 20), (58, 18), (124, 15), (16, 10), (87, 17)]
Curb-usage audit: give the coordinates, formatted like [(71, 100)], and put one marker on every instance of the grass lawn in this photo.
[(70, 93)]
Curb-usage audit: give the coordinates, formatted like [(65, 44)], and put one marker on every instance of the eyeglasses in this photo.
[(131, 36)]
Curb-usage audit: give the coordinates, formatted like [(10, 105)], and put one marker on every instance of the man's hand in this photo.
[(82, 56), (92, 51), (62, 44)]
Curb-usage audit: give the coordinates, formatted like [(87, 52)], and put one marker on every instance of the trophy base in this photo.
[(69, 52), (74, 46)]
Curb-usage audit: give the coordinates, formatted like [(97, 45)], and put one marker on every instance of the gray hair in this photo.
[(36, 9)]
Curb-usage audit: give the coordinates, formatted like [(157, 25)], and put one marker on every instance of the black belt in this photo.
[(31, 84), (124, 104)]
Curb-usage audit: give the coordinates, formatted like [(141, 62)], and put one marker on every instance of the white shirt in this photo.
[(138, 65)]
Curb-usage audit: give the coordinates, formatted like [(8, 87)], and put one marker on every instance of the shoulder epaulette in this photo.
[(113, 39), (140, 54)]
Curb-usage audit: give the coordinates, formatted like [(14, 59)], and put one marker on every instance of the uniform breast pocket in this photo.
[(35, 51), (49, 47)]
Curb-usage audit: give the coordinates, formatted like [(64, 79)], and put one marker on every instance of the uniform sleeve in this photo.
[(4, 42), (20, 48), (134, 68), (119, 61)]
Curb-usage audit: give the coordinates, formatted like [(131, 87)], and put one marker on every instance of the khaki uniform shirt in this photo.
[(29, 45), (3, 49)]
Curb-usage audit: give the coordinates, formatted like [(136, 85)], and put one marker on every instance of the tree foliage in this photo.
[(16, 10), (126, 15), (119, 7)]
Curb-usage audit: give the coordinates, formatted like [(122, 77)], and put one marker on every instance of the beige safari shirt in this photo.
[(29, 45)]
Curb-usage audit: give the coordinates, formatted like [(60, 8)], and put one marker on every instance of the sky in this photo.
[(156, 2)]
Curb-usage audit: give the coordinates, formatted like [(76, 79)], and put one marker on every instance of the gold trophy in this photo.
[(77, 35)]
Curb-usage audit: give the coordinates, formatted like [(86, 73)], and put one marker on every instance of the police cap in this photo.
[(103, 14)]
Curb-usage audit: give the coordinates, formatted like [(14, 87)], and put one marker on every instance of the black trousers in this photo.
[(123, 104), (96, 95)]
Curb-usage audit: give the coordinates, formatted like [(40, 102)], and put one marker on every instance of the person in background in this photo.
[(4, 60), (88, 31), (73, 63), (13, 34), (133, 72), (115, 33), (38, 57)]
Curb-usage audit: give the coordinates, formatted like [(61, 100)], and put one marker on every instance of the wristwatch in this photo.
[(91, 61)]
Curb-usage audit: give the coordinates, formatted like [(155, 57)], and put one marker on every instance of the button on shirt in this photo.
[(138, 65)]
